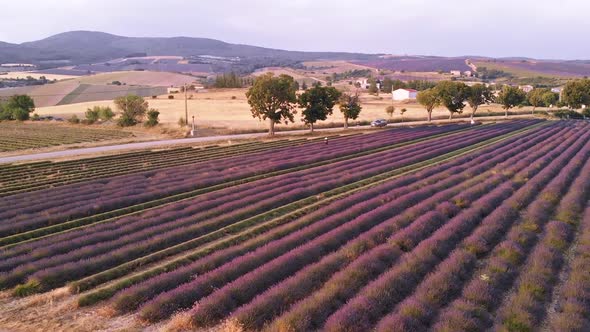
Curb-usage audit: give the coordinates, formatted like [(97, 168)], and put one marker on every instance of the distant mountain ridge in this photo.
[(80, 47)]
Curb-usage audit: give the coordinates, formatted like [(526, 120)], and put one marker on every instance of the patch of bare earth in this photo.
[(57, 311)]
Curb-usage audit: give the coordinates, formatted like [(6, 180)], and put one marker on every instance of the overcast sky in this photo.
[(532, 28)]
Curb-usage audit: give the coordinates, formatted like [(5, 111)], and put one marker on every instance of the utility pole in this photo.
[(193, 130), (185, 104)]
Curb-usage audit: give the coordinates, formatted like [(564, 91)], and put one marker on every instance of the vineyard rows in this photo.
[(20, 136)]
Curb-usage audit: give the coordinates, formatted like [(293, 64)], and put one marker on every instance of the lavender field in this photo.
[(434, 228)]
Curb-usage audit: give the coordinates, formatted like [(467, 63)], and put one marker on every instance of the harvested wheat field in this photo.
[(229, 109)]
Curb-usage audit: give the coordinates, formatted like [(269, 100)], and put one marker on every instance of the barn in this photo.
[(404, 94)]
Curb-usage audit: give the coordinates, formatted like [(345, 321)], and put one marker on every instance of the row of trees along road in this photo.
[(274, 98), (455, 96)]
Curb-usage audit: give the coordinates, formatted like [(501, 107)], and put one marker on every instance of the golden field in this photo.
[(24, 74), (219, 109)]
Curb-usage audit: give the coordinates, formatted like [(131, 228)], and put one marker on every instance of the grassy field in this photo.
[(428, 228)]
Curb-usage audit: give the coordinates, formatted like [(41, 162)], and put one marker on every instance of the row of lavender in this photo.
[(374, 300), (72, 201), (409, 183), (53, 261), (319, 262), (47, 217), (573, 308), (363, 205), (488, 283), (36, 176)]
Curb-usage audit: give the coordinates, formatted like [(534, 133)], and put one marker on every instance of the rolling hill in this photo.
[(83, 47)]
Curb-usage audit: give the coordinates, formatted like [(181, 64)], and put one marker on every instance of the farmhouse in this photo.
[(363, 83), (558, 91), (173, 90), (455, 73), (526, 88), (404, 94)]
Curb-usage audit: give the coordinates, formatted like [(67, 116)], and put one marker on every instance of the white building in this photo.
[(455, 73), (363, 83), (558, 91), (404, 94), (526, 88), (173, 90)]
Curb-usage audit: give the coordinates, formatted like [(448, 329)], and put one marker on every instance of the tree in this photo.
[(373, 86), (509, 97), (452, 95), (303, 86), (402, 111), (389, 85), (541, 98), (227, 80), (429, 99), (18, 107), (4, 114), (152, 118), (350, 107), (317, 103), (390, 110), (479, 94), (576, 93), (273, 98), (132, 108)]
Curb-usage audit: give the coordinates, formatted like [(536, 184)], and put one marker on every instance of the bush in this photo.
[(92, 115), (170, 97), (233, 97), (133, 109), (126, 121), (105, 113), (154, 97), (152, 115), (74, 119), (567, 114), (182, 122)]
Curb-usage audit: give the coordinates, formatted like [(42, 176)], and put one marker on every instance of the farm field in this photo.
[(229, 109), (442, 228), (35, 75), (97, 87), (24, 136)]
